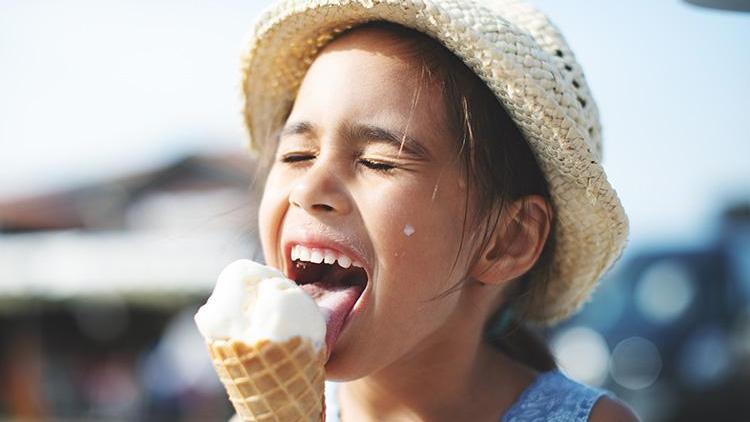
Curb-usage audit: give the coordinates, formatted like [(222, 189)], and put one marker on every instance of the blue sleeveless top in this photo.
[(551, 397)]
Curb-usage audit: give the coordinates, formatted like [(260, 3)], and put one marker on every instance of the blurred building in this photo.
[(162, 231), (98, 285)]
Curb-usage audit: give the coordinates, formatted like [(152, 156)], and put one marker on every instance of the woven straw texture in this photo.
[(272, 381), (523, 59)]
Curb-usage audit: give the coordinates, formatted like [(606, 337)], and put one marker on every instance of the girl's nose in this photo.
[(320, 190)]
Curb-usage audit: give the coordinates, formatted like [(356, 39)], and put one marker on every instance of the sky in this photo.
[(93, 89)]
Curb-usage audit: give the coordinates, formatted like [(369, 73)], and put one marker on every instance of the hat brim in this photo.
[(524, 61)]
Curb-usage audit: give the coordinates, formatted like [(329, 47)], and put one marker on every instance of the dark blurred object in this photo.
[(153, 368), (733, 5), (674, 326), (22, 381)]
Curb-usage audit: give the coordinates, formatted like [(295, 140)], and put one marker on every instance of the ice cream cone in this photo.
[(272, 381), (267, 340)]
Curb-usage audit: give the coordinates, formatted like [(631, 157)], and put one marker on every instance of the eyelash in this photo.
[(378, 166)]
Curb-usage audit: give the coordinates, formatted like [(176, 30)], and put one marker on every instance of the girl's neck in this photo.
[(455, 376)]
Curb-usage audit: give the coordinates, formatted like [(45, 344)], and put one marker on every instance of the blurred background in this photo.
[(124, 191)]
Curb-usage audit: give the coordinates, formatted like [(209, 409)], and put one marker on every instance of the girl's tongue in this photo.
[(335, 301)]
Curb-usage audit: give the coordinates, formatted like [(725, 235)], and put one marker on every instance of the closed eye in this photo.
[(293, 158), (373, 165), (377, 165)]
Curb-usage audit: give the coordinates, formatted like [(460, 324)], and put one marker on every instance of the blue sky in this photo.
[(96, 88)]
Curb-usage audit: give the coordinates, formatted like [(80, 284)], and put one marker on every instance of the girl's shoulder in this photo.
[(554, 396)]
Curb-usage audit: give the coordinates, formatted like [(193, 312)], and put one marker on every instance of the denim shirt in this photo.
[(551, 397)]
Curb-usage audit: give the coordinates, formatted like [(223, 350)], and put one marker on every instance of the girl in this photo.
[(440, 161)]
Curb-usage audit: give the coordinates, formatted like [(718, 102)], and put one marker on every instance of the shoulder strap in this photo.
[(554, 397)]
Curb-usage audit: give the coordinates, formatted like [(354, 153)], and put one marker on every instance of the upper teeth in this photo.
[(318, 256)]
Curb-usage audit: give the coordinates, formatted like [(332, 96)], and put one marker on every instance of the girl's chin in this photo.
[(338, 371), (346, 365)]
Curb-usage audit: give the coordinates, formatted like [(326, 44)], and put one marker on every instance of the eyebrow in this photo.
[(365, 132)]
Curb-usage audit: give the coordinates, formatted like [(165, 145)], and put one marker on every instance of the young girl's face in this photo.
[(340, 181)]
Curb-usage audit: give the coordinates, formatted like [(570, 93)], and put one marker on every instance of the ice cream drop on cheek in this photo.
[(335, 302)]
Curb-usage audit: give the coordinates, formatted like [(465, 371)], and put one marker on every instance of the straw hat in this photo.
[(527, 64)]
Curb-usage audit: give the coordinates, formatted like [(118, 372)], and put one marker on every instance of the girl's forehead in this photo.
[(378, 41), (364, 76), (371, 56)]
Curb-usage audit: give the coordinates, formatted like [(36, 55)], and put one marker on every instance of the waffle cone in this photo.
[(272, 381)]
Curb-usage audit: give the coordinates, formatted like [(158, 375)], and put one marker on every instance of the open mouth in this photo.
[(333, 280), (327, 276)]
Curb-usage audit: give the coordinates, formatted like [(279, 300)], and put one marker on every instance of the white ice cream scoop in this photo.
[(253, 302)]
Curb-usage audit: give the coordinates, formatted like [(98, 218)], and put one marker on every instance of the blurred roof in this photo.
[(100, 205)]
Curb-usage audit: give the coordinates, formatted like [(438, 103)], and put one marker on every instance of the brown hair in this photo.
[(499, 167)]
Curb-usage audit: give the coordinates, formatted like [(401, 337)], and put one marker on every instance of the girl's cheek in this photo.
[(264, 219), (270, 214), (400, 253), (407, 232)]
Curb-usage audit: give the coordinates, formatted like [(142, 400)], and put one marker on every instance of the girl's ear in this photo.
[(516, 242)]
